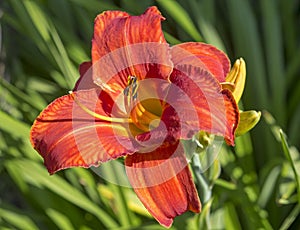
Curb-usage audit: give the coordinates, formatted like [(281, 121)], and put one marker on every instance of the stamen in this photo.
[(131, 91), (99, 116)]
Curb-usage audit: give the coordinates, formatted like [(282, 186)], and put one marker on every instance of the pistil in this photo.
[(99, 116)]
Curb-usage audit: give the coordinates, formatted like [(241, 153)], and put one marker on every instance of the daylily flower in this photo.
[(136, 99)]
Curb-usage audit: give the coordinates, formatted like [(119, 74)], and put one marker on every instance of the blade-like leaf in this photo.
[(287, 153), (181, 17), (34, 174), (19, 221), (61, 221)]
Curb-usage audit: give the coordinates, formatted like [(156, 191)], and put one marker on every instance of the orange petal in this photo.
[(125, 46), (215, 61), (66, 136), (200, 102), (163, 182)]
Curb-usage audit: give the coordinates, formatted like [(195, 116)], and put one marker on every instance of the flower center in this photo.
[(144, 114)]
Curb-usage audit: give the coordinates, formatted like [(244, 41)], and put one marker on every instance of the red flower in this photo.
[(137, 98)]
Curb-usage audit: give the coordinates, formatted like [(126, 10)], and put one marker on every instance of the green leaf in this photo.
[(291, 218), (294, 128), (61, 220), (231, 217), (14, 127), (204, 216), (204, 14), (170, 39), (88, 182), (19, 221), (268, 187), (36, 102), (35, 23), (288, 155), (33, 173), (274, 53), (114, 171), (95, 6), (247, 44), (180, 15)]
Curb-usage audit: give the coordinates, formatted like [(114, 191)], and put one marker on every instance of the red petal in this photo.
[(163, 182), (215, 61), (86, 77), (126, 45), (168, 130), (102, 22), (116, 29), (200, 93), (232, 115), (66, 136)]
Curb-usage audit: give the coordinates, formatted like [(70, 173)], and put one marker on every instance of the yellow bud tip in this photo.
[(237, 76), (248, 119)]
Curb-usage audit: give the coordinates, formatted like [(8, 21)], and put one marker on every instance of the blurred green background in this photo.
[(254, 185)]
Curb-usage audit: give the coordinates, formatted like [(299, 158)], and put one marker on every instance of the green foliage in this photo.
[(42, 44)]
